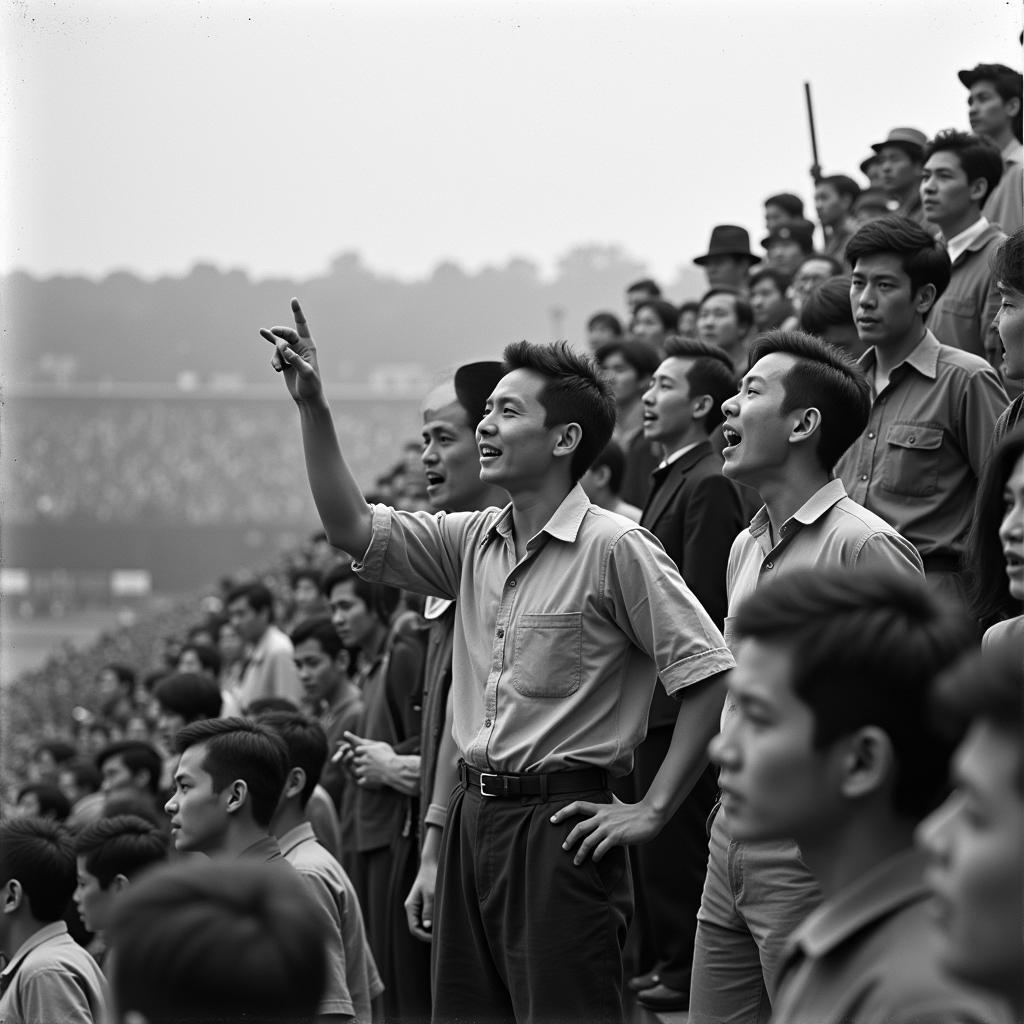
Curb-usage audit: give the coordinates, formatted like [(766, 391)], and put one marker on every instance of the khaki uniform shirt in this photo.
[(555, 657)]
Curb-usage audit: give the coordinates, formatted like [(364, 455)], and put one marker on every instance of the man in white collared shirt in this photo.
[(960, 172)]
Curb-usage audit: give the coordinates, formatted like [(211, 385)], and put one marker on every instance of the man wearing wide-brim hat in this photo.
[(900, 160), (728, 260)]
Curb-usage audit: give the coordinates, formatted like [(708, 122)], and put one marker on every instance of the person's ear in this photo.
[(568, 440), (868, 762), (701, 406), (806, 427), (925, 298), (295, 783), (11, 896), (978, 188), (238, 793), (119, 883)]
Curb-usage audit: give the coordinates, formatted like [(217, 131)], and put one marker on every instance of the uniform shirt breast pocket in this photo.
[(966, 308), (548, 654), (912, 460)]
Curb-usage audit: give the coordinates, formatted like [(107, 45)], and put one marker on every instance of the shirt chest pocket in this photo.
[(548, 654), (912, 457), (965, 308)]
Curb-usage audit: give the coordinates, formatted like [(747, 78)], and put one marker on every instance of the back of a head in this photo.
[(121, 845), (574, 392), (218, 943), (827, 305), (39, 854), (825, 379), (306, 742), (865, 649), (924, 260), (192, 696), (236, 748)]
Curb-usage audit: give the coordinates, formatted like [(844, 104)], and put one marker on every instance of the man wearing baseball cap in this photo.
[(900, 161), (728, 259), (994, 108)]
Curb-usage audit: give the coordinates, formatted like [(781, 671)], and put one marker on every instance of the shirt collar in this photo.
[(265, 848), (959, 244), (924, 358), (295, 837), (53, 930), (678, 454), (1013, 152), (564, 523), (809, 512), (884, 889)]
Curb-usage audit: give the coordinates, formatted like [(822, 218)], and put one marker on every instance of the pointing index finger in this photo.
[(300, 319)]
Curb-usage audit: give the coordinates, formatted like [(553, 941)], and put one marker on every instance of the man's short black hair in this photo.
[(607, 320), (865, 649), (380, 598), (53, 804), (646, 285), (190, 695), (1008, 265), (711, 373), (138, 756), (122, 845), (321, 629), (744, 312), (779, 278), (641, 355), (666, 312), (40, 856), (256, 595), (843, 184), (574, 392), (219, 943), (306, 742), (237, 748), (978, 156), (924, 260), (827, 305), (823, 378), (208, 657), (793, 205)]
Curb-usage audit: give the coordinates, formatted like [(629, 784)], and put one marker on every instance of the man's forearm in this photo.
[(339, 501), (697, 722)]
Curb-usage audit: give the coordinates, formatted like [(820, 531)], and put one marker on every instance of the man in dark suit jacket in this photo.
[(696, 513)]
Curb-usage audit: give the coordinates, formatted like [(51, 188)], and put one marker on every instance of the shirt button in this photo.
[(871, 435), (501, 633), (487, 723), (863, 476), (512, 583), (769, 565), (912, 439)]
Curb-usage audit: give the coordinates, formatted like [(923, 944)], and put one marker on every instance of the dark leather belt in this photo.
[(534, 784)]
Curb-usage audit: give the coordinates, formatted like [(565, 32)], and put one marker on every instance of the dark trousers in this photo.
[(521, 934), (673, 865)]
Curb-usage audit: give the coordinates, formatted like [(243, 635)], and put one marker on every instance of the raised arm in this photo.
[(339, 501)]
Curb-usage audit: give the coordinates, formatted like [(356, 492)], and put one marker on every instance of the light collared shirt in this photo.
[(555, 657), (677, 454), (266, 849), (829, 530), (352, 976), (1005, 203), (270, 670), (871, 954), (960, 243), (918, 460), (51, 978)]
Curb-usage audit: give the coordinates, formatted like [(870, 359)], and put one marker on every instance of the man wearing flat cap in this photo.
[(900, 161), (728, 260), (994, 109)]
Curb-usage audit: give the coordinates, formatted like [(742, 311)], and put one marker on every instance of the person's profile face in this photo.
[(668, 410), (1010, 324), (248, 623), (686, 326), (516, 448), (897, 171), (774, 784), (1011, 530), (647, 326), (725, 271), (809, 275), (353, 621), (987, 111), (775, 217), (168, 723), (765, 300), (785, 254), (946, 194), (974, 843), (830, 205), (756, 431), (199, 816), (451, 462), (625, 383), (884, 308), (92, 901), (317, 673), (115, 774)]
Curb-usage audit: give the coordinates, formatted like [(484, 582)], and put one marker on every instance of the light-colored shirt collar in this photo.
[(677, 454), (53, 930), (1013, 152), (564, 523), (809, 512), (959, 244), (924, 358), (296, 836)]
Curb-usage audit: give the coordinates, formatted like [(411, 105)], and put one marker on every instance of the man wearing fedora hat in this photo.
[(900, 161), (994, 109), (728, 259)]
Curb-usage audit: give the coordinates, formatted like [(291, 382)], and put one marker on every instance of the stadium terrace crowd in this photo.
[(686, 676)]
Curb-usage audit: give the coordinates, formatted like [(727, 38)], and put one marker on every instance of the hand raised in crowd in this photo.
[(295, 356)]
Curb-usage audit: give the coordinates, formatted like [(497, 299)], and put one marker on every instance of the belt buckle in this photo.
[(483, 776)]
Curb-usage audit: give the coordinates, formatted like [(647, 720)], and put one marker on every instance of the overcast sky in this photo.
[(151, 134)]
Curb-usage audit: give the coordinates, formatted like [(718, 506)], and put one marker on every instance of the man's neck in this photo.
[(21, 930), (1003, 138), (532, 509), (239, 836), (694, 435), (858, 845), (789, 491), (950, 229), (287, 817), (887, 358), (906, 195), (489, 497)]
